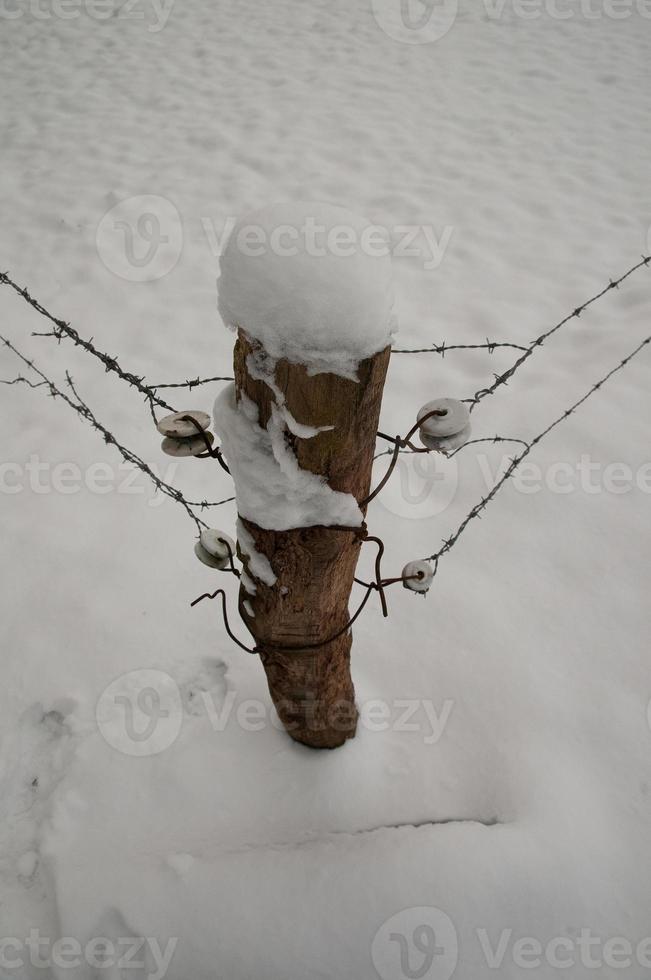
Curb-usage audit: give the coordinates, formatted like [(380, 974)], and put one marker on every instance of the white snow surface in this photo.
[(518, 689), (271, 488), (311, 282)]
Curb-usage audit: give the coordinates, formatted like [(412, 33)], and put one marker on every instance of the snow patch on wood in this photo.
[(258, 564), (271, 488)]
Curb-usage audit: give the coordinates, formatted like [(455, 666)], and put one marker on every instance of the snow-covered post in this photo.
[(308, 289)]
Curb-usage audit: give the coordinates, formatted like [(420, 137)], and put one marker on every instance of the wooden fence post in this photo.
[(307, 287), (309, 681)]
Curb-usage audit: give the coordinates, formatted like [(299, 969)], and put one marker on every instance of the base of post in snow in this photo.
[(313, 693), (309, 678)]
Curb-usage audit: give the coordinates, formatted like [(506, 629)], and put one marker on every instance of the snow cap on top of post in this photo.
[(311, 282)]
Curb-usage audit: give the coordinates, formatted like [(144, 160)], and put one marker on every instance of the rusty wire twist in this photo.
[(212, 452), (376, 586)]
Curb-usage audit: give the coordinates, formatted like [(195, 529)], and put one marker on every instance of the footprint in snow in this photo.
[(208, 687), (33, 759)]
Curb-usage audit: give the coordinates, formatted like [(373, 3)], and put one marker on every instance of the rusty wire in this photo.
[(378, 585), (222, 595), (400, 444), (212, 452)]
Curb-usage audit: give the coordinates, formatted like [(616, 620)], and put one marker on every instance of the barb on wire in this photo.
[(502, 379), (442, 349), (87, 415), (449, 543), (203, 504), (494, 439), (195, 383)]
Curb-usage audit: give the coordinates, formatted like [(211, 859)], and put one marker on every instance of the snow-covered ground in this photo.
[(500, 783)]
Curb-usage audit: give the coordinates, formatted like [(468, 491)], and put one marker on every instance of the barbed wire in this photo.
[(492, 345), (84, 411), (449, 543), (195, 383), (505, 377), (62, 329), (400, 444), (443, 348)]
